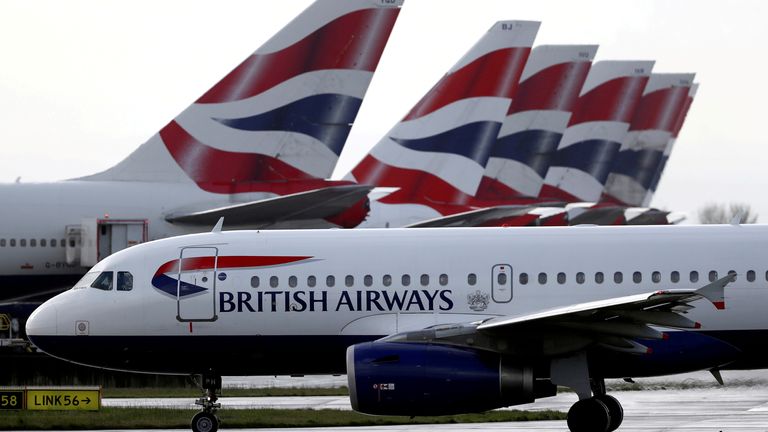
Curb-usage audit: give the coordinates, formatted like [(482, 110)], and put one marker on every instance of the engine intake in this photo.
[(417, 379)]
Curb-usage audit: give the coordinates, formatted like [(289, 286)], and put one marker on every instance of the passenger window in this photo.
[(732, 273), (618, 277), (330, 281), (23, 243), (637, 277), (124, 281), (523, 278), (2, 242), (561, 278), (103, 281), (274, 281), (599, 277), (43, 243), (472, 278), (71, 242), (656, 277), (386, 280), (368, 280), (33, 243), (766, 273), (443, 279), (751, 276), (580, 278), (674, 276), (349, 281), (712, 276), (694, 276), (406, 280), (424, 280), (311, 281), (542, 278), (254, 282), (293, 281), (13, 244), (501, 279), (53, 242)]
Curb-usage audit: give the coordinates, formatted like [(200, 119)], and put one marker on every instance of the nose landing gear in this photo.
[(206, 420)]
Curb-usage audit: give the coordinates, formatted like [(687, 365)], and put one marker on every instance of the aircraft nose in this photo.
[(43, 322)]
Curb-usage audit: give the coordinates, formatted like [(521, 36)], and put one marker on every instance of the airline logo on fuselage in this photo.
[(166, 278)]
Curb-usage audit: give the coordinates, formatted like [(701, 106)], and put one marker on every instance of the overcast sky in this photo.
[(83, 83)]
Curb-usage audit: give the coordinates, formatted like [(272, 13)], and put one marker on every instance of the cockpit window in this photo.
[(124, 281), (87, 280), (103, 281)]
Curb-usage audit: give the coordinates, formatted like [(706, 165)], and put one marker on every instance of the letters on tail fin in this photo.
[(438, 152), (643, 146), (537, 117), (599, 122), (283, 114), (671, 143)]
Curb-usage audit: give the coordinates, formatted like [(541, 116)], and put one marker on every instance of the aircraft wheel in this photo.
[(614, 409), (589, 415), (205, 422)]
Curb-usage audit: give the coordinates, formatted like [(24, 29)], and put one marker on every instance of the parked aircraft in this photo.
[(435, 156), (257, 148), (425, 321)]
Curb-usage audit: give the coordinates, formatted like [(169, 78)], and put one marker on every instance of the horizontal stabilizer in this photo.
[(478, 217), (314, 204)]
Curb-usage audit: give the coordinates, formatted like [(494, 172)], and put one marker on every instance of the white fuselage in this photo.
[(453, 273)]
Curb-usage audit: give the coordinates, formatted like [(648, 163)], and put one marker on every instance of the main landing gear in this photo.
[(206, 420), (599, 413)]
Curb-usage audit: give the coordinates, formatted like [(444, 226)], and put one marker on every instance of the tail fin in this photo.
[(671, 143), (642, 148), (437, 153), (598, 124), (537, 117), (284, 113)]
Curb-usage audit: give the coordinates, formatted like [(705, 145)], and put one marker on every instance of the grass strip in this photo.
[(158, 418), (192, 393)]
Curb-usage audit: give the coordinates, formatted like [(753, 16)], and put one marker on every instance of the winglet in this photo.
[(219, 225), (715, 291)]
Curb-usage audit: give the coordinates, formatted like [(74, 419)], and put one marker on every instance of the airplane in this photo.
[(425, 321), (435, 156), (256, 148), (600, 121)]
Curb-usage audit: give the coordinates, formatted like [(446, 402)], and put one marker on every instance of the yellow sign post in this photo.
[(63, 399)]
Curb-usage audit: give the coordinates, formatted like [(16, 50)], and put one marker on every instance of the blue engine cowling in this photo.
[(416, 379)]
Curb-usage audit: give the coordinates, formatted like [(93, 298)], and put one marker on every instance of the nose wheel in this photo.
[(206, 420)]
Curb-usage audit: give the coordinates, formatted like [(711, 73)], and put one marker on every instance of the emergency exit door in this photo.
[(196, 286), (501, 283)]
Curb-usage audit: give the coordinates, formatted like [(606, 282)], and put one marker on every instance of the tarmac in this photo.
[(729, 409)]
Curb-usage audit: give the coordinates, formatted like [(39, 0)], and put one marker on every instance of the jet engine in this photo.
[(417, 379)]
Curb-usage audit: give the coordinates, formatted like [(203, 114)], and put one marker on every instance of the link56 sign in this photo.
[(63, 399)]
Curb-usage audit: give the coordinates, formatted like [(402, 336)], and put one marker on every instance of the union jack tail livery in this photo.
[(537, 117), (652, 126), (671, 143), (597, 127), (437, 154), (283, 114)]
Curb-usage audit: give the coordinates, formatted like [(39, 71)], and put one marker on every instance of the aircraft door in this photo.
[(196, 287), (501, 283)]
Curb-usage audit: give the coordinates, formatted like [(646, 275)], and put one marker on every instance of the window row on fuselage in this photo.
[(524, 278), (33, 242), (349, 280), (635, 277)]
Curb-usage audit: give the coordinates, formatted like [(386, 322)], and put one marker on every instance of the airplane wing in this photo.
[(613, 323), (479, 217), (313, 204)]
